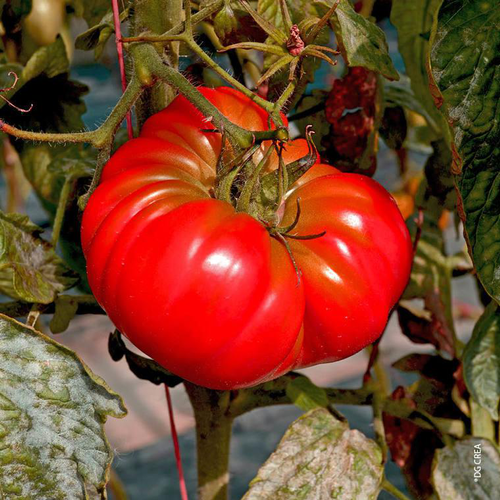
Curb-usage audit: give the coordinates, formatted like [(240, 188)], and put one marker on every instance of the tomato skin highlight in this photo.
[(207, 292)]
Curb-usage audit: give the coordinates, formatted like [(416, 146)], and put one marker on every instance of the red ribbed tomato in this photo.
[(206, 291)]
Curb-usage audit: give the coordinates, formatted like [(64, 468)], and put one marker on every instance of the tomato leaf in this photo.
[(316, 103), (400, 93), (91, 10), (53, 411), (481, 361), (96, 37), (65, 310), (44, 83), (465, 68), (453, 481), (430, 280), (143, 368), (361, 42), (20, 7), (320, 457), (30, 270), (304, 394), (413, 21)]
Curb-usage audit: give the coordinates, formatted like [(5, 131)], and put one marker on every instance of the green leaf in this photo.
[(413, 21), (143, 368), (50, 60), (20, 7), (30, 270), (400, 93), (299, 10), (304, 394), (53, 409), (453, 471), (361, 41), (464, 63), (44, 83), (320, 457), (65, 310), (316, 102), (96, 37), (481, 361), (91, 10)]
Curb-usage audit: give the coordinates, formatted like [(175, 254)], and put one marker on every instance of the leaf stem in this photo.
[(61, 209), (395, 492), (18, 309), (116, 486), (177, 31), (284, 97)]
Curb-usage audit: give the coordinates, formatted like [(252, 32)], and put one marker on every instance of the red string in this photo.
[(182, 482), (119, 49)]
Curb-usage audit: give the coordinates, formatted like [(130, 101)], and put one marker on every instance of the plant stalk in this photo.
[(213, 437)]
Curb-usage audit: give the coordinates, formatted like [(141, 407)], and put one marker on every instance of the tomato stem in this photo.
[(121, 63), (213, 437), (61, 209)]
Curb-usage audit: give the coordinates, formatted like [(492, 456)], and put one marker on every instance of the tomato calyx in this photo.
[(241, 179), (275, 185)]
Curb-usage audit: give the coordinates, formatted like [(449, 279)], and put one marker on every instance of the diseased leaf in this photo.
[(304, 394), (481, 361), (466, 69), (362, 42), (53, 409), (30, 270), (400, 93), (430, 366), (413, 20), (453, 471), (320, 457), (430, 280), (354, 111)]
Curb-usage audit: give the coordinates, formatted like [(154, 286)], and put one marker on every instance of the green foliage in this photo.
[(362, 42), (96, 37), (464, 60), (304, 394), (481, 361), (65, 310), (30, 270), (53, 411), (53, 407), (91, 10), (413, 21), (320, 457), (430, 280)]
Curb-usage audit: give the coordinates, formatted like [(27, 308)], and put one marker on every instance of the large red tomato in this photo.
[(205, 290)]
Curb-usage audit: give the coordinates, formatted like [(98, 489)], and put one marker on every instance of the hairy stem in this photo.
[(157, 16), (213, 437), (239, 136)]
